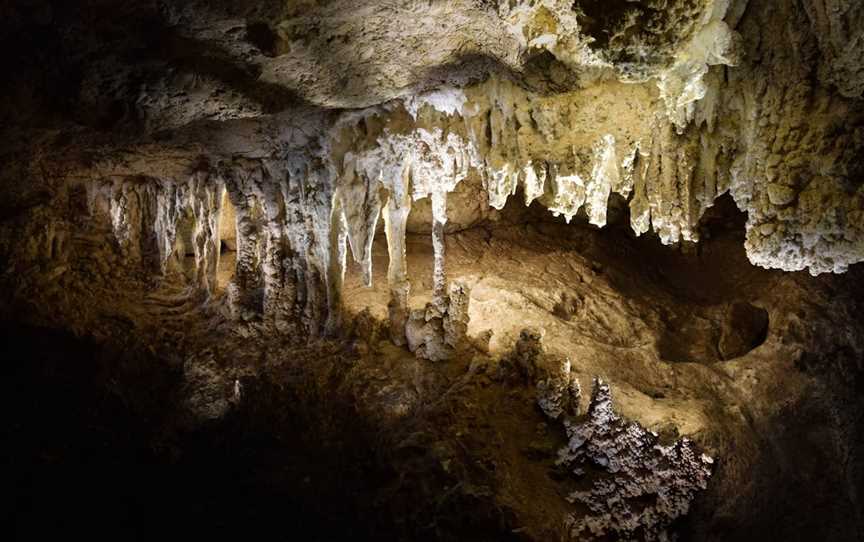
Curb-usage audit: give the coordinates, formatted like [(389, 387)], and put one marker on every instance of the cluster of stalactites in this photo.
[(146, 215), (285, 230), (295, 222), (385, 180), (290, 242), (297, 217), (661, 176), (669, 179)]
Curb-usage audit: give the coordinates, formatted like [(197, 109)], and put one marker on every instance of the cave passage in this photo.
[(433, 270)]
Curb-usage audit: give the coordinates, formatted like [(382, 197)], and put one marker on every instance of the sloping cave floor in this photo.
[(135, 431)]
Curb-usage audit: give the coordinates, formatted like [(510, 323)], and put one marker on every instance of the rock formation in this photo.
[(434, 177)]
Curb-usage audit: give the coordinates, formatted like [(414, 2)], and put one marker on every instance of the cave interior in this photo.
[(433, 269)]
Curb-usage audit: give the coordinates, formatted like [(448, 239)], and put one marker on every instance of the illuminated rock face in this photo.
[(309, 135), (668, 106)]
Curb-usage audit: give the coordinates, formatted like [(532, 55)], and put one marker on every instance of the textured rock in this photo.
[(293, 133), (637, 486), (644, 486), (669, 111), (438, 331)]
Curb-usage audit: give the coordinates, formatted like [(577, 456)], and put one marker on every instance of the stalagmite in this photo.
[(457, 319)]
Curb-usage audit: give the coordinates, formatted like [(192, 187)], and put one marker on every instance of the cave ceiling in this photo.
[(669, 104)]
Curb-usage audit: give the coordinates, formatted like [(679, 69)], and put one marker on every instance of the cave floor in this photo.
[(657, 327), (694, 343)]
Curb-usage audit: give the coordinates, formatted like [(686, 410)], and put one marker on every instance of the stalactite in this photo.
[(323, 286), (565, 193), (245, 286), (149, 195), (640, 210), (279, 279), (689, 204), (167, 213), (205, 201), (126, 221), (604, 175), (361, 203), (534, 183), (297, 236), (336, 265), (395, 218), (502, 180), (439, 278)]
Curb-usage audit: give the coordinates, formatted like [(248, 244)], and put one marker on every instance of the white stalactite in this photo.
[(439, 277), (395, 218)]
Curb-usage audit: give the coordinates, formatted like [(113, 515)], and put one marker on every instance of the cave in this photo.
[(433, 270)]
